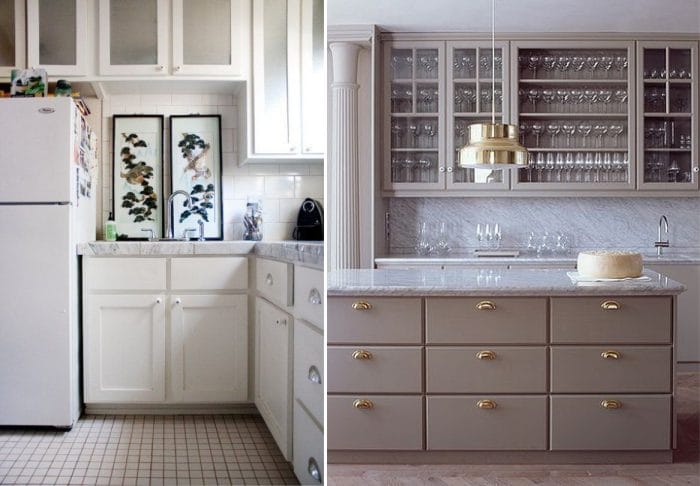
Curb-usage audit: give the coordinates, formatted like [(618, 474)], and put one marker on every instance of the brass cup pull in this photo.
[(486, 355), (361, 354), (611, 404), (610, 355), (610, 305), (363, 404), (486, 404), (486, 305), (361, 305)]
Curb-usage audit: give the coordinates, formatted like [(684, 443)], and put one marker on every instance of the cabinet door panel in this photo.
[(12, 25), (57, 36), (313, 114)]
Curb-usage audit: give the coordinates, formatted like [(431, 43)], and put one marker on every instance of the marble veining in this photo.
[(487, 282)]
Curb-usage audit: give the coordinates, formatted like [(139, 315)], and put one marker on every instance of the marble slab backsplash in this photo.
[(604, 223)]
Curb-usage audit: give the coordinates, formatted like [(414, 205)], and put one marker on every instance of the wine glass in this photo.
[(605, 97), (548, 98), (592, 63), (606, 63), (441, 245), (621, 65), (562, 96), (537, 129), (569, 129), (563, 64), (591, 97), (549, 63), (408, 166), (428, 129), (424, 167), (426, 98), (533, 95), (397, 131), (569, 165), (486, 99), (423, 246), (599, 130), (553, 129), (584, 129), (615, 130), (523, 128), (620, 97), (414, 130), (533, 62)]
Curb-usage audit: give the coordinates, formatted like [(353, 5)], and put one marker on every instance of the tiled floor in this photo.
[(149, 450)]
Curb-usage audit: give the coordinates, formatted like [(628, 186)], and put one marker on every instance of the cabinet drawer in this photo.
[(516, 423), (619, 369), (203, 273), (308, 448), (636, 320), (580, 422), (392, 422), (382, 320), (486, 320), (274, 281), (374, 369), (308, 368), (309, 295), (125, 273), (497, 369)]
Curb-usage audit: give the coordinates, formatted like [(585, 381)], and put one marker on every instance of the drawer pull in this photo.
[(610, 305), (314, 375), (611, 404), (363, 404), (314, 470), (486, 404), (361, 305), (315, 297), (610, 355), (485, 305), (361, 354), (269, 280), (486, 355)]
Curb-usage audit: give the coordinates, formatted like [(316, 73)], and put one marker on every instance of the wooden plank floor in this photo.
[(685, 470)]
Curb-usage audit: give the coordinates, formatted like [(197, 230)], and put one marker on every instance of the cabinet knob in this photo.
[(610, 355), (610, 305), (611, 404), (314, 297), (696, 169), (178, 301), (159, 300), (314, 470), (486, 404), (160, 68), (486, 355), (269, 280), (363, 404), (486, 305), (450, 169), (178, 68), (292, 148), (441, 169), (281, 322), (361, 354), (361, 305), (314, 375)]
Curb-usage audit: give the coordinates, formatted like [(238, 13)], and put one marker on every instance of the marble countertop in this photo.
[(487, 282), (308, 253)]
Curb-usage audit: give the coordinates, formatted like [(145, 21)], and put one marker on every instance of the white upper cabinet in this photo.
[(12, 35), (57, 36), (286, 101)]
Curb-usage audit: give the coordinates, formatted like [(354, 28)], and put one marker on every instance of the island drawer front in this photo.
[(580, 422), (514, 320), (388, 320), (637, 369), (375, 369), (393, 423), (309, 294), (638, 320), (274, 281), (309, 375), (209, 273), (510, 370), (125, 273), (457, 423)]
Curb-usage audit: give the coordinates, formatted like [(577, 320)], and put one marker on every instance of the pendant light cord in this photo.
[(493, 62)]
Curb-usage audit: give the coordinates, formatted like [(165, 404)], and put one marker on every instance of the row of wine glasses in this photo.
[(571, 134), (426, 67), (414, 133), (413, 169), (489, 235), (402, 99), (573, 100), (546, 243), (465, 98), (666, 134), (573, 65), (432, 238), (464, 64), (659, 167), (660, 73), (578, 167)]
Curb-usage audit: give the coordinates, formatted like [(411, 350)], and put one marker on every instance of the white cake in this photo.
[(609, 264)]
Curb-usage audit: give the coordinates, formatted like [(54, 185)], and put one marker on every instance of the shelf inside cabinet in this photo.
[(415, 115), (573, 115), (573, 81), (678, 150), (668, 115), (414, 150), (575, 150)]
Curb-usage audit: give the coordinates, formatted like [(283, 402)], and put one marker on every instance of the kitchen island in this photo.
[(499, 365)]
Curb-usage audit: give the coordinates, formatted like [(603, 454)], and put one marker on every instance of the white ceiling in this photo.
[(677, 16)]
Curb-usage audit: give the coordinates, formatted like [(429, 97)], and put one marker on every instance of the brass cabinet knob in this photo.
[(611, 404), (361, 354), (486, 305), (486, 355), (363, 404), (486, 404), (361, 305), (610, 305), (610, 355)]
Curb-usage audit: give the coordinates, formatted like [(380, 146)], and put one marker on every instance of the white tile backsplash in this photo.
[(281, 186)]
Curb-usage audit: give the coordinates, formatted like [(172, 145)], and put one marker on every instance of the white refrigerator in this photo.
[(47, 207)]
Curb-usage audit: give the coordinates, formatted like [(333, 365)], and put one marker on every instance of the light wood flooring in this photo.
[(685, 470)]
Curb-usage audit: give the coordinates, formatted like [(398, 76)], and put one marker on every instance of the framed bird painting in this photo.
[(137, 175), (195, 154)]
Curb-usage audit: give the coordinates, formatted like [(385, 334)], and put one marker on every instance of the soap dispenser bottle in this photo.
[(110, 229)]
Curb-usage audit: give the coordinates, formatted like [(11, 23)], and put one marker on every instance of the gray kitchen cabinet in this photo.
[(12, 30)]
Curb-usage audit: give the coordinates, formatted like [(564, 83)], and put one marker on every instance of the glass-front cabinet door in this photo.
[(575, 106), (57, 36), (413, 124), (470, 97), (667, 102), (12, 36)]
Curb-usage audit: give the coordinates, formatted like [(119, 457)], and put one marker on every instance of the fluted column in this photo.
[(344, 225)]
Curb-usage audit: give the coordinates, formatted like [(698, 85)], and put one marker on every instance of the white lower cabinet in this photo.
[(308, 447), (273, 372)]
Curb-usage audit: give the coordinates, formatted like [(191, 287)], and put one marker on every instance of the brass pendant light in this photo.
[(493, 145)]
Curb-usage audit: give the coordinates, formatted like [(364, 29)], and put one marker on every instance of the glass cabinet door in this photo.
[(574, 114), (414, 156), (470, 97), (12, 25), (57, 36), (667, 105)]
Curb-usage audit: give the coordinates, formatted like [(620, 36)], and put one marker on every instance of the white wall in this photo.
[(282, 186)]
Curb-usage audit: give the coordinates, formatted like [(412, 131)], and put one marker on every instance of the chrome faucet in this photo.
[(661, 244), (170, 233)]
